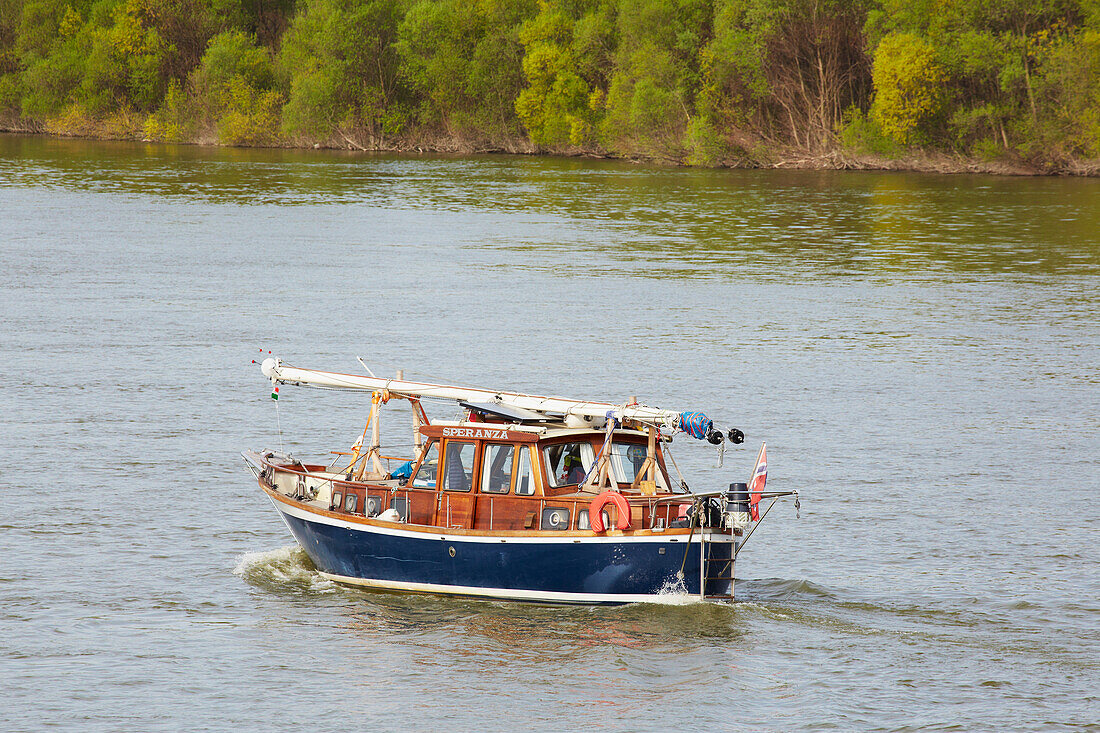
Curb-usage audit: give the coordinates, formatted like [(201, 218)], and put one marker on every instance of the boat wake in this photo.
[(675, 593), (283, 569)]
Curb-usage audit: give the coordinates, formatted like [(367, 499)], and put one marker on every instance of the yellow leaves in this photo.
[(71, 23), (597, 100), (580, 131), (133, 33), (251, 116), (908, 81)]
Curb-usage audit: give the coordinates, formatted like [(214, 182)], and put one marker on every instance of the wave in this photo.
[(286, 569)]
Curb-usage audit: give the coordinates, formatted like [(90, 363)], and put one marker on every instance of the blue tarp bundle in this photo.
[(695, 424), (404, 471)]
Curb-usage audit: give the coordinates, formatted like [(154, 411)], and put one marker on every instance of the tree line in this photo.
[(694, 81)]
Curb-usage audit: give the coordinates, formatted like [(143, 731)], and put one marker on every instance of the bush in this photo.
[(250, 116), (908, 82), (555, 105), (1069, 93), (339, 64), (860, 133), (176, 120), (704, 145)]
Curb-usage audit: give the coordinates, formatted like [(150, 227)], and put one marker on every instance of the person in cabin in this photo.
[(574, 471)]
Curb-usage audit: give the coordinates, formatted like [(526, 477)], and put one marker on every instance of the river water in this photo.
[(921, 354)]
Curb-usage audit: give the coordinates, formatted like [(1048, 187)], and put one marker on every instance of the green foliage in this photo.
[(657, 75), (464, 61), (860, 133), (734, 80), (173, 122), (10, 12), (339, 63), (233, 55), (998, 75), (555, 105), (250, 116), (264, 20), (908, 88), (1069, 92), (233, 87), (699, 81), (704, 145)]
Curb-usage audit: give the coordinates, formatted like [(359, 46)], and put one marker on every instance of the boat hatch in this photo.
[(508, 413)]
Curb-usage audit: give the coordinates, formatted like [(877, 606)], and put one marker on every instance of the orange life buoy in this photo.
[(595, 511)]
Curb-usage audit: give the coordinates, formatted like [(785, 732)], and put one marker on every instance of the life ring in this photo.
[(595, 511)]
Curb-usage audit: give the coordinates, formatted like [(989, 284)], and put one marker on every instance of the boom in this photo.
[(280, 373)]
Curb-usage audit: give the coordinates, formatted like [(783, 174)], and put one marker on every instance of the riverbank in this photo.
[(128, 127)]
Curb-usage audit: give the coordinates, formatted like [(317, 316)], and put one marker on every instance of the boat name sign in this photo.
[(484, 433)]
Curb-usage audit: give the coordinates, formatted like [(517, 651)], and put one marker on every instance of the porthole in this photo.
[(556, 518), (337, 499), (451, 551), (373, 506), (584, 524), (351, 501)]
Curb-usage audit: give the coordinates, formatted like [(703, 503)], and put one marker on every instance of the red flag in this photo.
[(756, 483)]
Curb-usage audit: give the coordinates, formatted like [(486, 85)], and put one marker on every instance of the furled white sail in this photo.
[(281, 373)]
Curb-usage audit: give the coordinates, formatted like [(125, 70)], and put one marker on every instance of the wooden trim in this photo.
[(437, 529)]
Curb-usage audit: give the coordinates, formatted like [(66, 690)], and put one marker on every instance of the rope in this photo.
[(612, 423)]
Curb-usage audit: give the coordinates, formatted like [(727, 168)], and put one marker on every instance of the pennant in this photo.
[(756, 483)]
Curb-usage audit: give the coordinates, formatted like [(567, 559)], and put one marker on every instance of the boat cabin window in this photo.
[(425, 476), (496, 468), (350, 502), (568, 463), (627, 459), (458, 472), (525, 479)]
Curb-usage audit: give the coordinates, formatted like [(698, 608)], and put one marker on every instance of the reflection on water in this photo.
[(656, 222)]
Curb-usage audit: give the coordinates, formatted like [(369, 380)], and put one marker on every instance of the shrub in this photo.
[(908, 82)]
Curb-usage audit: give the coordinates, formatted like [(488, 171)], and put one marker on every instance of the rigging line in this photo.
[(668, 453), (687, 547), (446, 382), (397, 395), (742, 543), (360, 359), (279, 420)]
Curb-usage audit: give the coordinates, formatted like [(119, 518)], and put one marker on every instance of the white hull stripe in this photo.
[(395, 530), (513, 594)]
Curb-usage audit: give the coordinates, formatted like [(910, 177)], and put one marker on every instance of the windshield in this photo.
[(628, 459), (425, 477)]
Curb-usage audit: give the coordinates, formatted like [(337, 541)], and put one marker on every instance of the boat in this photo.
[(523, 498)]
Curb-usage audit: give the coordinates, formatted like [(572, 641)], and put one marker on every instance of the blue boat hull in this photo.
[(569, 570)]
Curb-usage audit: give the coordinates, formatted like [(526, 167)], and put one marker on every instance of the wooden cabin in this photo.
[(492, 476)]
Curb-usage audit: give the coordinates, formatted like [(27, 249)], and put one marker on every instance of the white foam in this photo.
[(284, 566), (674, 593)]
